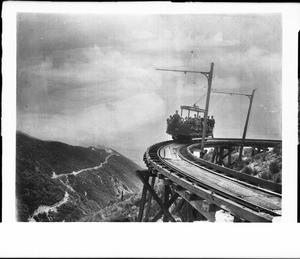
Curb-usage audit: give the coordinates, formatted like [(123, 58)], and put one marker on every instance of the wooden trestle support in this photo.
[(174, 201), (222, 152), (182, 199)]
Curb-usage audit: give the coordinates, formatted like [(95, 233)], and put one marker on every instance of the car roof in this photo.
[(193, 108)]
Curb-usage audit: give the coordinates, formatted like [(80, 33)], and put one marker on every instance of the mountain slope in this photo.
[(60, 182)]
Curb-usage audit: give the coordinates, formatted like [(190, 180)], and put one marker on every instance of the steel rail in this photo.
[(156, 165), (151, 158), (235, 176), (262, 143), (238, 200), (237, 142)]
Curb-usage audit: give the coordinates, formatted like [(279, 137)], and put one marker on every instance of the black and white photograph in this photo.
[(95, 91), (147, 117)]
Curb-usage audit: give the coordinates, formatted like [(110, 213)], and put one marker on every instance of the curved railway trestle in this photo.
[(195, 189)]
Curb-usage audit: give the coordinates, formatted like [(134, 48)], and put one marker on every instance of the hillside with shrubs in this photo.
[(60, 182), (265, 165)]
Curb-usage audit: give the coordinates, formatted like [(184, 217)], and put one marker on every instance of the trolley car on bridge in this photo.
[(189, 124), (184, 129)]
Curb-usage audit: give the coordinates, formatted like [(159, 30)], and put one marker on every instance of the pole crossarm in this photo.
[(207, 74), (218, 92)]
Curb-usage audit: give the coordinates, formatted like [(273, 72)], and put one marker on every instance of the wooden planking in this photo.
[(261, 182), (244, 179), (191, 196), (209, 207), (201, 206), (226, 204), (227, 186)]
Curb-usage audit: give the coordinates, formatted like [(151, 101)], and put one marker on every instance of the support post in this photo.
[(150, 199), (155, 196), (170, 202), (246, 125), (210, 75), (220, 162), (143, 199), (178, 206), (214, 155), (166, 200), (229, 157), (189, 213), (185, 211)]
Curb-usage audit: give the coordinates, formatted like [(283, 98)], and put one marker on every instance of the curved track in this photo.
[(241, 195)]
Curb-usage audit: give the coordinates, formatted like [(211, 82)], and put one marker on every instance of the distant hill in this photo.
[(60, 182)]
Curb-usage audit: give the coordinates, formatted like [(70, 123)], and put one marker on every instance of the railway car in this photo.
[(189, 124)]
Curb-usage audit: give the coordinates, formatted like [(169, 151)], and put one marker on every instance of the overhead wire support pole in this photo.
[(246, 124), (250, 96), (209, 76)]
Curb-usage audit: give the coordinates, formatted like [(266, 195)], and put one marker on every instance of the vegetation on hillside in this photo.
[(265, 165), (44, 176)]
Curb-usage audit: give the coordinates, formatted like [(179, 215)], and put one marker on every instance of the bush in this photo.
[(274, 168), (255, 171), (277, 150), (278, 178), (248, 170), (264, 175)]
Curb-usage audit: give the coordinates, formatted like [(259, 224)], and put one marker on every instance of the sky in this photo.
[(91, 79)]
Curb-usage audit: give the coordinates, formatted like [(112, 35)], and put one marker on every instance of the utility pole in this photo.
[(246, 124), (209, 76), (247, 119)]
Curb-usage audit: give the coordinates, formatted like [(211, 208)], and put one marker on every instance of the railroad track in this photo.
[(245, 179), (238, 142), (238, 193)]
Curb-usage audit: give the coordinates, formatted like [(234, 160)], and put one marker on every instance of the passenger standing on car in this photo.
[(212, 121), (195, 119), (208, 121), (176, 117), (194, 122)]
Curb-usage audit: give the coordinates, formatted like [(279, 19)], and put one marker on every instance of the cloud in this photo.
[(143, 35), (100, 90), (96, 122), (225, 83), (84, 75), (92, 79)]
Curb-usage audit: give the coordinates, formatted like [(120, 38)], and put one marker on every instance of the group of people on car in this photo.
[(196, 122)]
